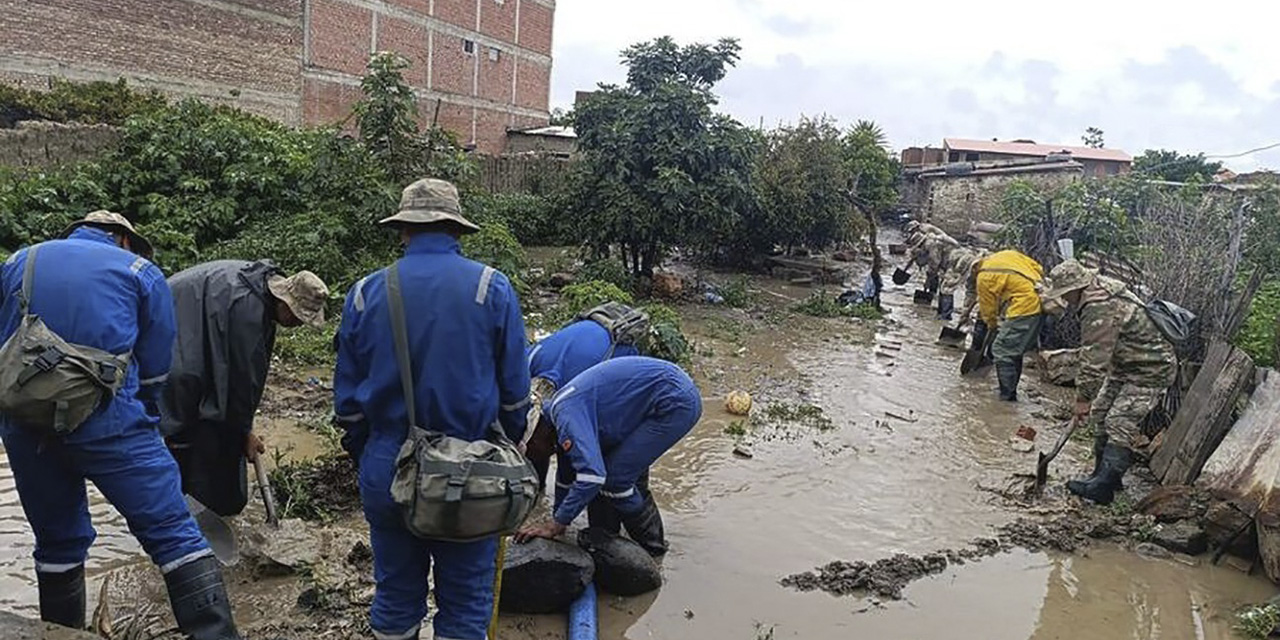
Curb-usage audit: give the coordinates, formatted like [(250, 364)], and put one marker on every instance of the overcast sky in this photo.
[(1148, 74)]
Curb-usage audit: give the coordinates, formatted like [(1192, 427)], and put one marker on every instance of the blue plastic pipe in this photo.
[(582, 615)]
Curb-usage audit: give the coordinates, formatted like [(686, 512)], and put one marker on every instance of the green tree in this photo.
[(1092, 138), (1163, 164), (660, 167), (801, 176), (873, 172), (386, 117)]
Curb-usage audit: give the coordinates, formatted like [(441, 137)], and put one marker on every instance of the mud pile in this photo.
[(887, 577)]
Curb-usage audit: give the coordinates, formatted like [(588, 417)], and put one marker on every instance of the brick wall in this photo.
[(43, 144), (247, 52), (295, 61), (954, 202)]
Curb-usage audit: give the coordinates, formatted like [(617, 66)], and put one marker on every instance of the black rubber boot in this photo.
[(1102, 487), (199, 601), (946, 305), (62, 597), (1008, 373), (601, 514), (1099, 445), (645, 527)]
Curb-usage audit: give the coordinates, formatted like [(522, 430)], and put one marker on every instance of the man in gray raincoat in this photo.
[(227, 312)]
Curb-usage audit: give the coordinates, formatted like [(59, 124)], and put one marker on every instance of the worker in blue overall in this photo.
[(467, 345), (608, 426), (611, 330), (96, 288)]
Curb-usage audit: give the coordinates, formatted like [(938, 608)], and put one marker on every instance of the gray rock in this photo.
[(543, 576), (1182, 537), (559, 280), (623, 568)]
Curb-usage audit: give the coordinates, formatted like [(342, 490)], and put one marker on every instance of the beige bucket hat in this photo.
[(1067, 277), (114, 222), (430, 200), (304, 293)]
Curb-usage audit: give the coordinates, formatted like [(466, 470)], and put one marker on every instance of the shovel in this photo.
[(220, 536), (952, 336), (973, 357), (268, 498), (923, 297), (901, 276), (1042, 463)]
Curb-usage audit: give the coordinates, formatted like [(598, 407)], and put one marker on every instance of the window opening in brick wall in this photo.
[(468, 46), (494, 54), (954, 156), (970, 157)]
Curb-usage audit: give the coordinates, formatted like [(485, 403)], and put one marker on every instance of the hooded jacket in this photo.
[(1006, 282), (227, 331)]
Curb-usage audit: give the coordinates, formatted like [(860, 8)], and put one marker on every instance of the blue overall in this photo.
[(561, 356), (93, 293), (612, 422), (467, 347)]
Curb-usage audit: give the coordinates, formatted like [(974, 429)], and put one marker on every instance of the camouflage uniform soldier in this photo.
[(930, 248), (959, 270), (1126, 365)]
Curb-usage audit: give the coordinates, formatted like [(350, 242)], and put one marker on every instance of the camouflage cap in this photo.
[(304, 293), (430, 200), (116, 223), (1067, 277), (911, 226)]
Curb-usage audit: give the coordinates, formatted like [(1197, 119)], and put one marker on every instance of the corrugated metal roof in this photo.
[(1033, 149), (555, 132)]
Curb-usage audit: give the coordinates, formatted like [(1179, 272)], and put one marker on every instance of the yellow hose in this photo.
[(497, 587)]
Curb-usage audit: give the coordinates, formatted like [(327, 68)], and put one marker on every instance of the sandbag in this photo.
[(543, 576), (623, 568)]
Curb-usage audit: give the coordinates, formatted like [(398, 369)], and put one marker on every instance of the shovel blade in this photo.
[(952, 336), (216, 531), (923, 297), (1042, 470)]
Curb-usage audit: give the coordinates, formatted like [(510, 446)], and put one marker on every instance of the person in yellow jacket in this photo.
[(1008, 285)]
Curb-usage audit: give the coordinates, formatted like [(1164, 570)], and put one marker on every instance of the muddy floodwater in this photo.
[(903, 467)]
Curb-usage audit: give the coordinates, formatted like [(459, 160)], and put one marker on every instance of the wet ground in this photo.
[(907, 464)]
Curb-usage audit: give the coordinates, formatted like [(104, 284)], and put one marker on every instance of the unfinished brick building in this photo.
[(479, 67)]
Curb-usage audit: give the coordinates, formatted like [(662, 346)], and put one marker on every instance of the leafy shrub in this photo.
[(1258, 336), (307, 345), (90, 103), (666, 339), (737, 293), (495, 246), (533, 219), (607, 270), (822, 305)]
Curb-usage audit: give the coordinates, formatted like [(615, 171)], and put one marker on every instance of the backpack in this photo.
[(449, 488), (47, 383), (1175, 323), (626, 325)]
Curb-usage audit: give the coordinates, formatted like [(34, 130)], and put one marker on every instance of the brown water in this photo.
[(871, 487), (879, 485)]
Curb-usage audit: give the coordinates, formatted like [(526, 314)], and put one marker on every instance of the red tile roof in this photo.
[(1032, 149)]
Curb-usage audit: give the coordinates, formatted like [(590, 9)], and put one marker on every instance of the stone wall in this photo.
[(956, 201), (43, 144)]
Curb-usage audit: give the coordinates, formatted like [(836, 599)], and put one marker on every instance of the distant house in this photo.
[(1096, 162), (555, 140)]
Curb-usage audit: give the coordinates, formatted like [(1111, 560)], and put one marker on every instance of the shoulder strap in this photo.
[(400, 334), (28, 275)]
